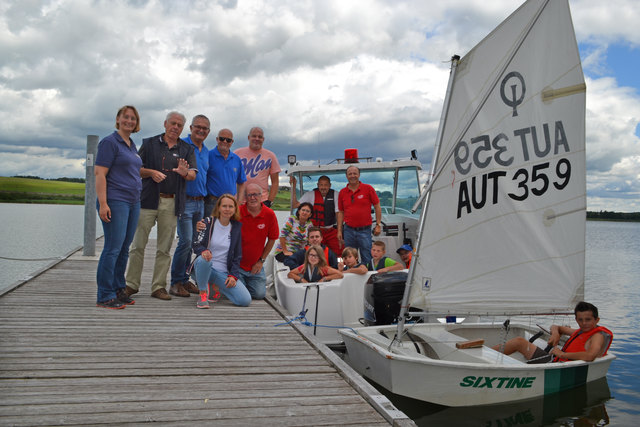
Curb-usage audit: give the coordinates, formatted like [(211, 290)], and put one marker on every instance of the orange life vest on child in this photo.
[(578, 340)]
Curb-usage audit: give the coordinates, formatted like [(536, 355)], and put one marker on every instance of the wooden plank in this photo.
[(65, 361)]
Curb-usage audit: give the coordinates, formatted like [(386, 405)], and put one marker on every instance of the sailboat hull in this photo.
[(428, 366)]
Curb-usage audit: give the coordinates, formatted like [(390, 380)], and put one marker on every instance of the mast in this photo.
[(455, 59)]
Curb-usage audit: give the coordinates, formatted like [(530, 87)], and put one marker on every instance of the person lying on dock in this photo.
[(315, 268), (379, 262), (350, 263), (586, 343), (315, 238)]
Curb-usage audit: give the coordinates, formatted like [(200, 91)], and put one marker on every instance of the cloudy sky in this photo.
[(318, 76)]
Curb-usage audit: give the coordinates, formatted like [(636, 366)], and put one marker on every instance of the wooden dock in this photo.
[(65, 361)]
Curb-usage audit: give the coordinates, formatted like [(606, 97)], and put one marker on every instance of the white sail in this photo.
[(504, 229)]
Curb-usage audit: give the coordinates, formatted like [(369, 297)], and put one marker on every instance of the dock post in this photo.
[(90, 197)]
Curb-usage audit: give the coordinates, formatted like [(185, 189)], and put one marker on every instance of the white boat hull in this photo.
[(443, 374), (327, 306)]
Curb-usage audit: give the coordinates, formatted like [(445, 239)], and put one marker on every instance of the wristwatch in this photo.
[(262, 260)]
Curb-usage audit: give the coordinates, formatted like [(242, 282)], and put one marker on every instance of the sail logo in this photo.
[(513, 102), (512, 164), (497, 382)]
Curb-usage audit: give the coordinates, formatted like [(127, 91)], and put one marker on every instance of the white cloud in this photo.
[(317, 75)]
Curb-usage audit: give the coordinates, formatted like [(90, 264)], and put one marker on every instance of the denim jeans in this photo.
[(205, 274), (209, 204), (359, 239), (256, 283), (193, 211), (118, 235)]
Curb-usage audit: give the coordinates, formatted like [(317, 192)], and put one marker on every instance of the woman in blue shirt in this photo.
[(118, 186)]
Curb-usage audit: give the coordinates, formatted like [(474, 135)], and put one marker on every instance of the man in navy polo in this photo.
[(193, 209), (167, 164), (226, 174)]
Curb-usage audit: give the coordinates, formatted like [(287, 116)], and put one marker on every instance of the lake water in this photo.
[(612, 272)]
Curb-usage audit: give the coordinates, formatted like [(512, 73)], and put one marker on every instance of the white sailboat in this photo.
[(503, 229)]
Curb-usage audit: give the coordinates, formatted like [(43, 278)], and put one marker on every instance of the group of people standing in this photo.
[(219, 202), (174, 184)]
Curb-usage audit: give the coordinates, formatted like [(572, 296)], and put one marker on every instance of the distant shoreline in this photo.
[(33, 190)]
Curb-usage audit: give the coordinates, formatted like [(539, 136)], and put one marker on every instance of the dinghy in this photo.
[(502, 227)]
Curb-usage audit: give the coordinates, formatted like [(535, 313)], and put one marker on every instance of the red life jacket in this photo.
[(578, 340), (324, 210)]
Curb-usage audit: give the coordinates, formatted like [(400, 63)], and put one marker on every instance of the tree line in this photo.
[(614, 216), (80, 180)]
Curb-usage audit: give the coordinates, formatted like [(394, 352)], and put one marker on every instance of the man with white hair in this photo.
[(259, 233), (167, 164)]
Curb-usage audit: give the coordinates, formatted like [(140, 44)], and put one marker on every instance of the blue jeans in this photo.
[(118, 235), (209, 204), (193, 211), (256, 283), (205, 274), (359, 239)]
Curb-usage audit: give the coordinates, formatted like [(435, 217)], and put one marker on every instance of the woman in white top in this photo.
[(219, 250)]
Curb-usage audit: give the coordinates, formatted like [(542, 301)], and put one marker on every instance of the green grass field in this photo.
[(29, 190)]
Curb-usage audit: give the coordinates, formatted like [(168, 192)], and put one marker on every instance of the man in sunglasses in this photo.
[(167, 164), (225, 174), (260, 165), (193, 210), (354, 208), (259, 233)]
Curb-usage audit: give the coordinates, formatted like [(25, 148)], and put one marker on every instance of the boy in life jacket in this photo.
[(586, 343), (379, 262)]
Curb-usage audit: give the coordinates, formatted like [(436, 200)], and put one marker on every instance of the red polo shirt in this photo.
[(356, 205), (255, 232)]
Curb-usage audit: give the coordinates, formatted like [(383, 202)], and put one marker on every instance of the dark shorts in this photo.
[(540, 356)]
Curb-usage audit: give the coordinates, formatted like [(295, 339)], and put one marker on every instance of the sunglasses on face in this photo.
[(223, 139)]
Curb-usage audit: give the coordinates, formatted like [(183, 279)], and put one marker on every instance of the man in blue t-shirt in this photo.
[(193, 209), (226, 174)]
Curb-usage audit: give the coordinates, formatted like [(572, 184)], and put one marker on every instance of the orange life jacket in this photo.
[(578, 340)]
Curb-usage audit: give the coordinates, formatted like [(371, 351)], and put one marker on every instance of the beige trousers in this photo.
[(165, 217)]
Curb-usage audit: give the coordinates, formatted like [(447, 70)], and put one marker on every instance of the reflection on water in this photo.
[(583, 406)]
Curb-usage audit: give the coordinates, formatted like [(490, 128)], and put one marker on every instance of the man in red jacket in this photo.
[(585, 343)]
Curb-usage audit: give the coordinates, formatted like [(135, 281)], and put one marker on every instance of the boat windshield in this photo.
[(407, 189)]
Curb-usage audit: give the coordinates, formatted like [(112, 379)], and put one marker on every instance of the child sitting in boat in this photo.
[(350, 262), (585, 343), (379, 262), (315, 268)]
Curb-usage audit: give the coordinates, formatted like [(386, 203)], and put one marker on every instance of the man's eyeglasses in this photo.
[(223, 139), (252, 195), (202, 128)]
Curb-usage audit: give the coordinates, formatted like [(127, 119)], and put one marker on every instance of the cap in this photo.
[(404, 247)]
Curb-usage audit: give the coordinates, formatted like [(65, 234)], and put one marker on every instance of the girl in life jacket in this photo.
[(315, 268)]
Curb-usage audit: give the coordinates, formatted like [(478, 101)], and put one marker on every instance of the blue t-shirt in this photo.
[(224, 174), (198, 187), (123, 179)]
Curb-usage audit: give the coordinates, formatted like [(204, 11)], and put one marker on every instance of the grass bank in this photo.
[(30, 190)]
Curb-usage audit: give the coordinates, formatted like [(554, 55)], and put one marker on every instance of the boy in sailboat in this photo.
[(585, 343)]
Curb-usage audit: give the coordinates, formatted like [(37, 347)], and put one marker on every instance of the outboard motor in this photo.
[(382, 297)]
